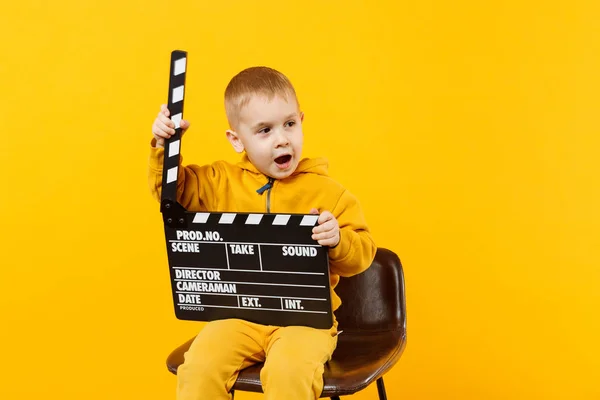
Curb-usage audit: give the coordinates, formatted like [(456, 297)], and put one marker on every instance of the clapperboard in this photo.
[(263, 268)]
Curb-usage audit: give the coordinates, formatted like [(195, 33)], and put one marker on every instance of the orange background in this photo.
[(468, 129)]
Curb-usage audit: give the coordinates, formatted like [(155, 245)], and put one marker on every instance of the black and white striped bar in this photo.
[(263, 268), (175, 105)]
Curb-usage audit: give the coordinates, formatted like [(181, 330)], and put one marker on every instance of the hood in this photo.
[(317, 166)]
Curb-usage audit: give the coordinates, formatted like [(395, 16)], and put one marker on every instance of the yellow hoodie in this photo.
[(226, 187)]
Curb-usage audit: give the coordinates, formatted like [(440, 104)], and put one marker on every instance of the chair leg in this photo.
[(381, 389), (232, 394)]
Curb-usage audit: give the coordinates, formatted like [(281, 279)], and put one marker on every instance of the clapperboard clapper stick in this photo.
[(263, 268)]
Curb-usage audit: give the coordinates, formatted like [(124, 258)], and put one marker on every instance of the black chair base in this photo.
[(380, 391)]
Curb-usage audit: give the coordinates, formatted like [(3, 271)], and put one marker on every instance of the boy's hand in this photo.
[(163, 128), (327, 233)]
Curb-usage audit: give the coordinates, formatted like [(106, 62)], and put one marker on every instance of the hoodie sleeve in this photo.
[(196, 185), (356, 250)]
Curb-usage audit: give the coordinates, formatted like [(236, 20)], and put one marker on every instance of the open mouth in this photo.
[(283, 161)]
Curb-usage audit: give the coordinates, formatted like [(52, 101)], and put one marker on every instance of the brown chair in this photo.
[(373, 320)]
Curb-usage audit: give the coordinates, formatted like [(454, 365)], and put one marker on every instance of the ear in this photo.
[(235, 141), (301, 116)]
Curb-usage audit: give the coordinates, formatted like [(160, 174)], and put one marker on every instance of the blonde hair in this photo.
[(255, 81)]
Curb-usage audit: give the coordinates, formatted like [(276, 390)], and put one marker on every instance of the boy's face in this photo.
[(271, 133)]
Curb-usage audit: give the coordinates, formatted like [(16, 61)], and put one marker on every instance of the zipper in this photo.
[(267, 187)]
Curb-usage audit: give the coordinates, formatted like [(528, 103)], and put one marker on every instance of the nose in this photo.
[(281, 139)]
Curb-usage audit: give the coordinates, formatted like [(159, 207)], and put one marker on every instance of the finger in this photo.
[(161, 134), (325, 216), (184, 125), (157, 130), (164, 110), (166, 120), (328, 242), (314, 211), (324, 235), (327, 226), (165, 127)]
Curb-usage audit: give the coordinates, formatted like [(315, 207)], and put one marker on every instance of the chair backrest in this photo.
[(374, 300)]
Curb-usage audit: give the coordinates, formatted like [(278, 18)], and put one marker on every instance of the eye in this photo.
[(290, 123), (265, 130)]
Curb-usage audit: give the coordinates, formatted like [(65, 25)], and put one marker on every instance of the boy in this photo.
[(266, 127)]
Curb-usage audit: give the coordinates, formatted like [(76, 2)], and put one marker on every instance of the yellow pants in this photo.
[(294, 360)]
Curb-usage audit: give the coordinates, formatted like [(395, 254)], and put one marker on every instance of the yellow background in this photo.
[(468, 129)]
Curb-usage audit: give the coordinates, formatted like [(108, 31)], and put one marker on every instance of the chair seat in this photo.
[(359, 359)]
